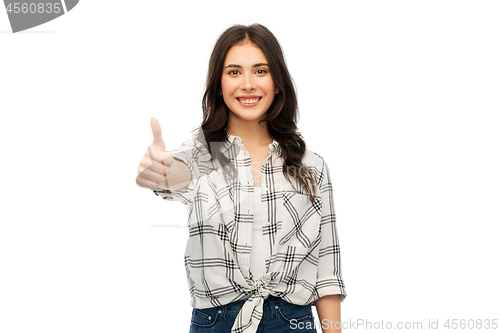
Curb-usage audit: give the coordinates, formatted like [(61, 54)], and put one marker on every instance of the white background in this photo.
[(400, 97)]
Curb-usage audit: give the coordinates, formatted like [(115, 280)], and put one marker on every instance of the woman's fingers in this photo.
[(146, 183), (158, 155), (155, 173), (152, 156)]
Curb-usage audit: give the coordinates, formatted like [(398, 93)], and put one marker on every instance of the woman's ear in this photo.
[(277, 90)]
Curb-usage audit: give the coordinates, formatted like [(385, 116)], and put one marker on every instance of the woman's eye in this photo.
[(259, 71)]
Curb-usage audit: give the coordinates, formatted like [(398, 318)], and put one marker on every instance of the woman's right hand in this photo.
[(152, 172)]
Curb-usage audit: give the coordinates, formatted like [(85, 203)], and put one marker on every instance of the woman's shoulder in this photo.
[(312, 158)]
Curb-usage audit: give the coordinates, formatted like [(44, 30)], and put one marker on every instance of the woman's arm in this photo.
[(329, 284), (328, 308)]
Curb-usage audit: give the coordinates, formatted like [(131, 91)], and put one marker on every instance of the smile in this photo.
[(249, 101)]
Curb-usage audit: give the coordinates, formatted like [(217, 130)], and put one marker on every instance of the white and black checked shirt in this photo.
[(301, 242)]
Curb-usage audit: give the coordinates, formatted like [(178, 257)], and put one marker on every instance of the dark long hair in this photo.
[(281, 116)]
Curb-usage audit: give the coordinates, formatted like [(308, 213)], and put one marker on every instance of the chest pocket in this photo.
[(301, 219)]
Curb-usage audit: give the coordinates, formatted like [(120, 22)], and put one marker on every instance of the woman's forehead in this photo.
[(245, 55)]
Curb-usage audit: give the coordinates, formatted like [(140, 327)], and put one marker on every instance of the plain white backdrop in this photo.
[(400, 97)]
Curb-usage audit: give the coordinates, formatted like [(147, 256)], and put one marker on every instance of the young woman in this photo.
[(263, 245)]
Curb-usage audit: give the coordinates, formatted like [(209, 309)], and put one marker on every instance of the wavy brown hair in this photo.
[(281, 116)]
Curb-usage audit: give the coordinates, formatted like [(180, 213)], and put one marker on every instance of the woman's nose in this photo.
[(248, 82)]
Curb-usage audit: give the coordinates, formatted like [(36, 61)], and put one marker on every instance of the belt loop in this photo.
[(224, 309)]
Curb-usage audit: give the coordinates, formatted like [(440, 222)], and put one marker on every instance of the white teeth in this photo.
[(248, 101)]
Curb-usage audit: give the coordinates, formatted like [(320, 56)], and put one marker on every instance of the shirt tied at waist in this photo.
[(251, 312)]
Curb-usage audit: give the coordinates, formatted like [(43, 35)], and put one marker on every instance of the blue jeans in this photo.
[(279, 317)]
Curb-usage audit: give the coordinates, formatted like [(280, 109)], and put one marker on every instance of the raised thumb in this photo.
[(155, 127)]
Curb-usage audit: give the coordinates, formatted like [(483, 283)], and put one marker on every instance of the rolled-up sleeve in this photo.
[(185, 195), (329, 277)]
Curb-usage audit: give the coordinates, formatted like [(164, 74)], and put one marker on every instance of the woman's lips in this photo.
[(249, 104)]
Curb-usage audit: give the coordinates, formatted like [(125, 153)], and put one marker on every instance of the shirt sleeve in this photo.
[(185, 195), (329, 278)]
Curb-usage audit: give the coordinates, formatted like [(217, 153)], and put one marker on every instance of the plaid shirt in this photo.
[(301, 242)]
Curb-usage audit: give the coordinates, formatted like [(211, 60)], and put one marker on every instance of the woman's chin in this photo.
[(247, 115)]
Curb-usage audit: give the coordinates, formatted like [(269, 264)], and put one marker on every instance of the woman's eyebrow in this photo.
[(238, 66)]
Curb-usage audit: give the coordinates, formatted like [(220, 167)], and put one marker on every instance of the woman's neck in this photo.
[(252, 134)]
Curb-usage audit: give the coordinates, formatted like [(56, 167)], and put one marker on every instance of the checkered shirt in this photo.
[(301, 241)]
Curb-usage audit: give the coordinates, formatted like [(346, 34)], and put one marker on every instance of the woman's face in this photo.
[(247, 86)]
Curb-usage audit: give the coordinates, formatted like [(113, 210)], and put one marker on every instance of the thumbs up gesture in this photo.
[(156, 163)]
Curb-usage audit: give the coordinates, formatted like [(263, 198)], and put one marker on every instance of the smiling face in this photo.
[(247, 86)]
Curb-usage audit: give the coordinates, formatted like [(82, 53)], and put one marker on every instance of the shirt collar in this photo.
[(274, 146)]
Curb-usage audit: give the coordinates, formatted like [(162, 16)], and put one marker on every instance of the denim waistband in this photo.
[(270, 301)]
